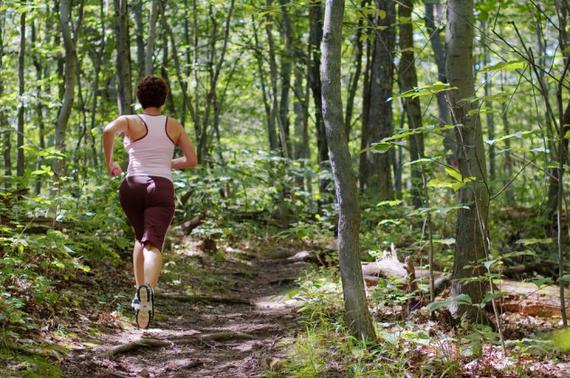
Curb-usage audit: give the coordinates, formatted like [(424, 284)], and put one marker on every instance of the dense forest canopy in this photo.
[(438, 129)]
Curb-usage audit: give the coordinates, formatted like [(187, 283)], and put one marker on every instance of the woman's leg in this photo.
[(138, 263), (152, 264)]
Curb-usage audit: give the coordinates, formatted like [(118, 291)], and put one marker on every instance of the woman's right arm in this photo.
[(189, 160), (120, 125)]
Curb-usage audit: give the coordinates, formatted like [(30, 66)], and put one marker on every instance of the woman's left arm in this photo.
[(119, 125)]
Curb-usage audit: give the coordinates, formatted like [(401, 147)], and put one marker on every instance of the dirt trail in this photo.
[(214, 318)]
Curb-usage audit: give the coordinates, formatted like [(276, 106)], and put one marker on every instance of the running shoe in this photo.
[(145, 308)]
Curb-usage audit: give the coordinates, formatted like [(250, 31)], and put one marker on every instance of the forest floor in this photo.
[(215, 316)]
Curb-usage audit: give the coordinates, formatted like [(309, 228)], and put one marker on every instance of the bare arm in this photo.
[(111, 130), (189, 160)]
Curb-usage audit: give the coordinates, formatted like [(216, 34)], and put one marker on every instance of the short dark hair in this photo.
[(152, 91)]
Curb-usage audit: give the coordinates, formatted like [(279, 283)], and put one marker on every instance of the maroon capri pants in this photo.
[(148, 202)]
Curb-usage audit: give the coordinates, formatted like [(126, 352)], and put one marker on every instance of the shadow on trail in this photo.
[(213, 318)]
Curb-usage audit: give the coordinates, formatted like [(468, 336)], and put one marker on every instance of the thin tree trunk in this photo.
[(270, 121), (7, 149), (20, 162), (69, 42), (97, 61), (315, 37), (148, 64), (170, 106), (287, 60), (408, 80), (214, 70), (357, 315), (355, 76), (273, 75), (508, 165), (77, 163), (380, 118), (449, 141), (186, 96), (471, 228), (363, 163), (39, 106), (489, 105), (139, 38), (123, 58), (301, 139)]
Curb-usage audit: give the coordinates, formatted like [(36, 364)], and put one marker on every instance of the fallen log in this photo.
[(191, 224)]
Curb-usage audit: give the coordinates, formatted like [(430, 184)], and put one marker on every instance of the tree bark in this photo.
[(20, 162), (408, 80), (439, 54), (363, 163), (7, 148), (287, 60), (315, 37), (148, 64), (357, 315), (39, 106), (471, 227), (380, 119), (490, 118), (69, 42), (124, 89), (139, 38), (274, 109), (355, 76), (270, 121)]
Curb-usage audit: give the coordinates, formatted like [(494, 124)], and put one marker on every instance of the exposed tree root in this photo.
[(134, 345), (206, 298)]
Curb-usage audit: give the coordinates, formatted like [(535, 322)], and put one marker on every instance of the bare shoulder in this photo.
[(174, 129), (118, 125)]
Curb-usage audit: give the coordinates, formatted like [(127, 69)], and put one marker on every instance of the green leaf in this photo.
[(390, 203), (380, 147), (504, 66), (454, 173), (448, 241), (426, 90)]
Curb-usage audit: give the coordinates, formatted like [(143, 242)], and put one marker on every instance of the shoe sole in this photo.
[(144, 314)]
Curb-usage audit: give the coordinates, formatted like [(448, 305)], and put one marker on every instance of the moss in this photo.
[(27, 366)]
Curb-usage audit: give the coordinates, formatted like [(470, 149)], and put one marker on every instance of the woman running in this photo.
[(147, 193)]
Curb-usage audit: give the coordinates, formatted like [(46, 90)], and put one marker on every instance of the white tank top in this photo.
[(152, 154)]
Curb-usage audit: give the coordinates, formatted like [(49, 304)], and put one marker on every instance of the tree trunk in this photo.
[(69, 42), (39, 106), (363, 163), (170, 107), (471, 227), (287, 60), (273, 75), (380, 119), (148, 66), (355, 76), (21, 66), (439, 53), (357, 315), (139, 38), (409, 80), (97, 62), (508, 165), (123, 58), (315, 37), (488, 105), (301, 139), (182, 81), (7, 149), (270, 121)]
